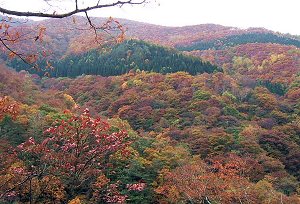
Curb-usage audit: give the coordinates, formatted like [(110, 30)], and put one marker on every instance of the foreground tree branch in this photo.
[(77, 10), (112, 29)]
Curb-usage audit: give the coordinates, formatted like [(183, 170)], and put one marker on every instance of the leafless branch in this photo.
[(92, 26), (12, 51), (18, 184), (76, 4), (64, 15)]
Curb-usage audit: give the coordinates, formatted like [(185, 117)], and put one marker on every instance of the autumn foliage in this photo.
[(224, 135), (71, 157)]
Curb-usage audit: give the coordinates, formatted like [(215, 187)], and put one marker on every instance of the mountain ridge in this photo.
[(60, 34)]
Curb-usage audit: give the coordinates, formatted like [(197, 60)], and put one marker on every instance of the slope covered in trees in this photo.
[(233, 40), (121, 58), (71, 35), (229, 142), (273, 65), (198, 136)]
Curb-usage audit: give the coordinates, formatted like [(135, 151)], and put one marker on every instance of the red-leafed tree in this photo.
[(74, 154)]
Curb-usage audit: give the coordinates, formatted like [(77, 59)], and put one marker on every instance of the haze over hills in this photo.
[(64, 36)]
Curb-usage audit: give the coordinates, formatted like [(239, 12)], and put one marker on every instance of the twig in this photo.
[(64, 15)]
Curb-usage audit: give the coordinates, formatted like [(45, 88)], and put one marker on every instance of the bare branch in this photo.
[(20, 56), (18, 184), (76, 4), (12, 51), (92, 26), (64, 15)]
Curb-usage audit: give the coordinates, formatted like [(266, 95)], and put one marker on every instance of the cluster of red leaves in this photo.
[(136, 186), (113, 195), (75, 152), (77, 146)]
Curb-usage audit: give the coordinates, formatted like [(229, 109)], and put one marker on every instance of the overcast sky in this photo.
[(277, 15)]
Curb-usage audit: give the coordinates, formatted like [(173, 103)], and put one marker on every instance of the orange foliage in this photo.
[(8, 107)]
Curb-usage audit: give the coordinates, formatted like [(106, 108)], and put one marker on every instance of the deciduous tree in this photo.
[(74, 153)]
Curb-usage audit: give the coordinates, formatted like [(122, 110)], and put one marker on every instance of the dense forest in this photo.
[(137, 122), (233, 40), (231, 143), (278, 64), (120, 59)]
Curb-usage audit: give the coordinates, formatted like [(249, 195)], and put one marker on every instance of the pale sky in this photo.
[(276, 15)]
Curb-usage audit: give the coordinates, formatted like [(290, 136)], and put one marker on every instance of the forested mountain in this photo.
[(74, 51), (239, 141), (120, 59), (139, 121), (233, 40), (272, 64), (66, 36)]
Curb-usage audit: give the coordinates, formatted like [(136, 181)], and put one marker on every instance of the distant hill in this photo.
[(233, 40), (224, 128), (266, 63), (67, 36), (65, 42)]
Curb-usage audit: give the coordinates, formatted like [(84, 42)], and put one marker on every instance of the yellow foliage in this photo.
[(131, 153), (29, 110), (242, 64), (265, 192), (137, 82), (274, 57), (23, 119), (144, 161), (75, 201), (101, 181), (250, 131), (165, 153), (51, 185), (17, 165), (265, 98), (69, 101)]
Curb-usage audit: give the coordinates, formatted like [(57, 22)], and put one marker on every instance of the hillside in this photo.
[(120, 59), (179, 126), (194, 114), (67, 36), (234, 40), (278, 64), (72, 50)]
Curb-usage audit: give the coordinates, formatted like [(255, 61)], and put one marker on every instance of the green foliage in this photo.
[(230, 96), (12, 131), (46, 109), (234, 40), (201, 95), (120, 59), (229, 110), (276, 88)]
